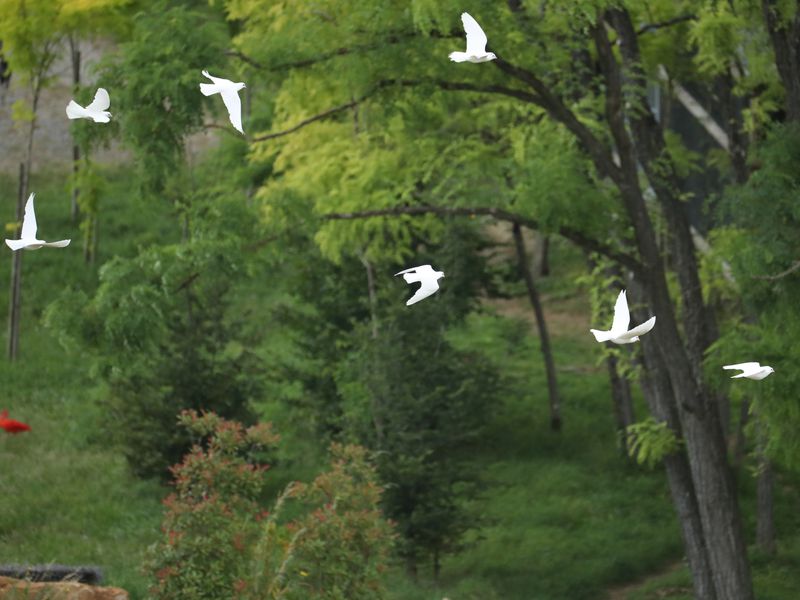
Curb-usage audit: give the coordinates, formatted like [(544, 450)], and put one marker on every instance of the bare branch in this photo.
[(387, 39), (668, 23), (466, 87), (298, 64), (795, 266), (446, 85), (573, 235), (323, 115), (224, 128)]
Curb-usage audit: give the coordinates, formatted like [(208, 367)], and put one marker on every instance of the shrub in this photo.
[(324, 540), (210, 526), (337, 549)]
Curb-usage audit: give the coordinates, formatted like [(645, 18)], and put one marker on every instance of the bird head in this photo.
[(240, 86), (770, 370), (439, 274)]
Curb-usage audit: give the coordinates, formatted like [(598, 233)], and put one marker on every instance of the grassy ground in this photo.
[(65, 496), (567, 518)]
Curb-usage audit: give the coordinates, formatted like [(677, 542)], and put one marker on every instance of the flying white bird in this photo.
[(424, 275), (476, 43), (27, 238), (619, 332), (751, 370), (95, 111), (230, 96)]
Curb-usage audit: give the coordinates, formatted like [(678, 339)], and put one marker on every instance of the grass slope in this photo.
[(568, 516), (65, 495)]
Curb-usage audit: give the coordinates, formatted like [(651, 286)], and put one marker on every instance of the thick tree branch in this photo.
[(651, 150), (499, 214), (668, 23), (600, 154)]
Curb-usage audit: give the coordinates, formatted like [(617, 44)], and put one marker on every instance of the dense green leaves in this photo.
[(164, 338), (155, 81)]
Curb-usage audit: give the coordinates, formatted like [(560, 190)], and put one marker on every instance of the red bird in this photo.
[(10, 425)]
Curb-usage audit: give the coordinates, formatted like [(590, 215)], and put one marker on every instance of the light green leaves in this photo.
[(650, 441)]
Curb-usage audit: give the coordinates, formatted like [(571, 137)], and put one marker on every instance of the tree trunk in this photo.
[(785, 39), (740, 441), (544, 257), (15, 308), (411, 567), (765, 510), (705, 443), (544, 338), (623, 402), (75, 55), (14, 303), (375, 403), (657, 391)]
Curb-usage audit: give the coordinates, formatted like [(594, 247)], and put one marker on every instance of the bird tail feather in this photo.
[(208, 89), (74, 110), (458, 56), (602, 336)]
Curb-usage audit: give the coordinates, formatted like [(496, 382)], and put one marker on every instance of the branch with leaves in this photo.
[(499, 214)]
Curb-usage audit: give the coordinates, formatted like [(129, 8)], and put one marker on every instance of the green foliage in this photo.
[(155, 80), (763, 245), (164, 338), (650, 441), (210, 525), (338, 548), (409, 394), (30, 30)]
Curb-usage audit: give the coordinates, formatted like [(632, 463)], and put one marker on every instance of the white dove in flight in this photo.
[(27, 238), (751, 370), (230, 96), (476, 43), (619, 332), (95, 111), (426, 276)]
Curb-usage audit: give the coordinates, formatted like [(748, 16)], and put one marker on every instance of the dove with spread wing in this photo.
[(230, 97), (751, 370), (476, 43), (27, 239), (619, 332), (424, 275), (97, 110)]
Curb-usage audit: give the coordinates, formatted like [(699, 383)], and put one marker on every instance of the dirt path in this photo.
[(621, 592)]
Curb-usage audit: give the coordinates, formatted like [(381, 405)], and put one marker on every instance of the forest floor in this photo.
[(564, 516), (623, 592)]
